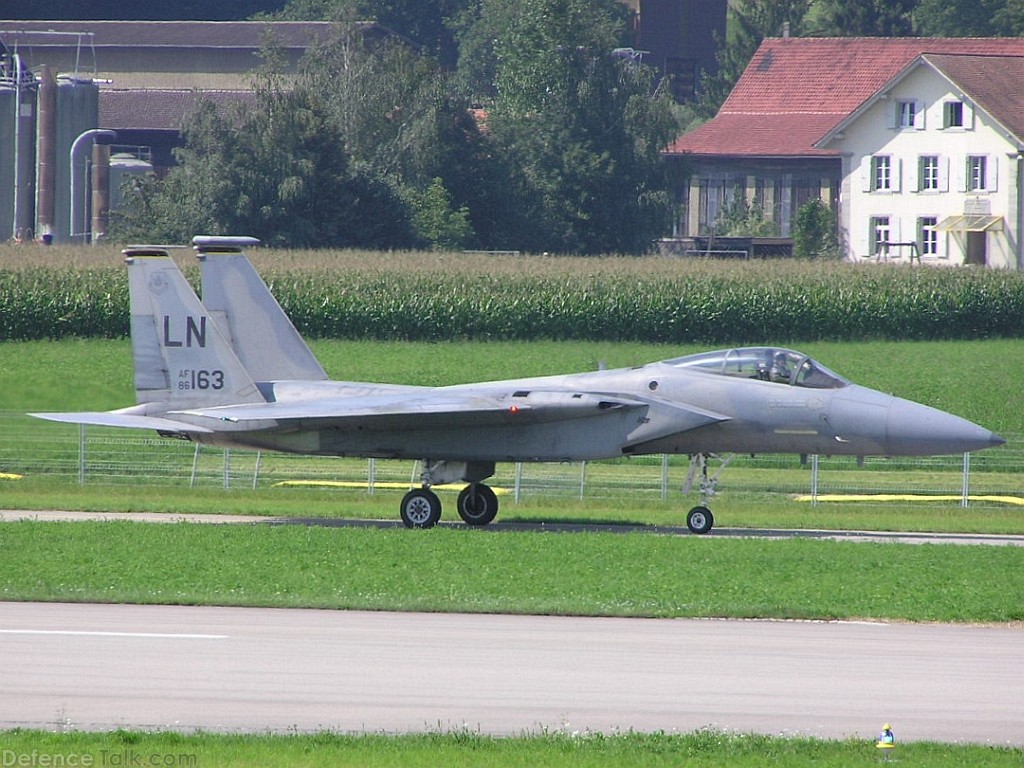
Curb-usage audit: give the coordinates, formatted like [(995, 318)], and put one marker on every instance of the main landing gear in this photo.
[(699, 519), (477, 503)]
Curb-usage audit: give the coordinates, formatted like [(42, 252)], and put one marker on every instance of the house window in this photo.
[(928, 173), (881, 173), (906, 114), (927, 236), (977, 173), (953, 114), (878, 235)]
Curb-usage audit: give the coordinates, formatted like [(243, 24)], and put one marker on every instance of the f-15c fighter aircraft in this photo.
[(232, 371)]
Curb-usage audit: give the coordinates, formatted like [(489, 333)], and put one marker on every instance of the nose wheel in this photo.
[(700, 520)]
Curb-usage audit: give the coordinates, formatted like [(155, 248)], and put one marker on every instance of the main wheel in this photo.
[(477, 504), (420, 508), (700, 520)]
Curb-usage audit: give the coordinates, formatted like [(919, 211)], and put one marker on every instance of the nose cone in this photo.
[(918, 430)]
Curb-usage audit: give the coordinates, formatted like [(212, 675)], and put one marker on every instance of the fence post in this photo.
[(195, 465), (814, 480), (81, 454), (371, 472), (965, 498), (664, 477), (519, 480), (583, 478), (256, 471), (227, 469)]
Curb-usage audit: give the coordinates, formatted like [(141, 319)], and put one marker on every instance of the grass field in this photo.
[(708, 749), (477, 571), (467, 750)]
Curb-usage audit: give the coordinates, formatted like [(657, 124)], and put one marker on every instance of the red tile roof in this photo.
[(797, 89)]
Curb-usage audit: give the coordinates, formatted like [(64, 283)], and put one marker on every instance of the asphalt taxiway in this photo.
[(86, 666)]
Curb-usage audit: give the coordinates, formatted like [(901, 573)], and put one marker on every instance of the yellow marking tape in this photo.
[(353, 484), (9, 476), (1016, 500)]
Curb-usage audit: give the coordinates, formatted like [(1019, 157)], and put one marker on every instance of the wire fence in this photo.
[(32, 448)]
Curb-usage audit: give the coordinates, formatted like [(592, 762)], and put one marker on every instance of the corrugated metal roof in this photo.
[(155, 34), (157, 109)]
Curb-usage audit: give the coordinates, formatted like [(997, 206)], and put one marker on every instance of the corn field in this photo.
[(56, 293)]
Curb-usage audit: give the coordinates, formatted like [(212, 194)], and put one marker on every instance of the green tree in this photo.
[(814, 231), (580, 131), (437, 223), (866, 18), (428, 25), (401, 119), (276, 170), (977, 18)]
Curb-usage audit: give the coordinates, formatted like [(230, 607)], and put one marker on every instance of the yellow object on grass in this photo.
[(1016, 500)]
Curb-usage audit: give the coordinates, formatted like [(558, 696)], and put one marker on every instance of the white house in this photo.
[(908, 140), (932, 163)]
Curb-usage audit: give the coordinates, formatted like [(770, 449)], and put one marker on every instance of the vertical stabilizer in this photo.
[(180, 356), (248, 314)]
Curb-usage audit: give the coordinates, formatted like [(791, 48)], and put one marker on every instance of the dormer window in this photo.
[(953, 114), (909, 114)]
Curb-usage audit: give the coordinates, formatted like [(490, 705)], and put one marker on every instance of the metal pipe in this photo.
[(100, 190), (47, 161), (77, 148)]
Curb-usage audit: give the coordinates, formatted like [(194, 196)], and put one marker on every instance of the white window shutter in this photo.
[(897, 174), (866, 182), (892, 111), (992, 182), (917, 177), (919, 115), (968, 117), (943, 174)]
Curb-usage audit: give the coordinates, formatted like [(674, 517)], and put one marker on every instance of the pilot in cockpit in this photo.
[(779, 371)]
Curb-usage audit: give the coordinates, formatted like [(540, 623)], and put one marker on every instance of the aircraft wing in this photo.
[(116, 419), (434, 409)]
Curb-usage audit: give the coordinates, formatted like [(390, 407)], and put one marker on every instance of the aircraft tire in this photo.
[(420, 508), (477, 504), (700, 520)]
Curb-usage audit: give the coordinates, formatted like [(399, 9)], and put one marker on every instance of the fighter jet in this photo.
[(232, 371)]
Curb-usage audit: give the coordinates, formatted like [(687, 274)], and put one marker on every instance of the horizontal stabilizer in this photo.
[(115, 419)]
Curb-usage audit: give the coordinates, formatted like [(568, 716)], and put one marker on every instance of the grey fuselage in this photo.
[(674, 410)]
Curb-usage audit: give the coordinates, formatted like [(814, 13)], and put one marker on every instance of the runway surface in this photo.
[(234, 669), (14, 515)]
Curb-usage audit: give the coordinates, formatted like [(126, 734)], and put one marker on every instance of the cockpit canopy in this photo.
[(783, 366)]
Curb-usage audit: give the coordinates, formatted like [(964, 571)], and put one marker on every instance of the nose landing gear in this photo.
[(699, 519)]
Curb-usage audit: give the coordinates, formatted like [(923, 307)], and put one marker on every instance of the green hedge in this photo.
[(706, 305)]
